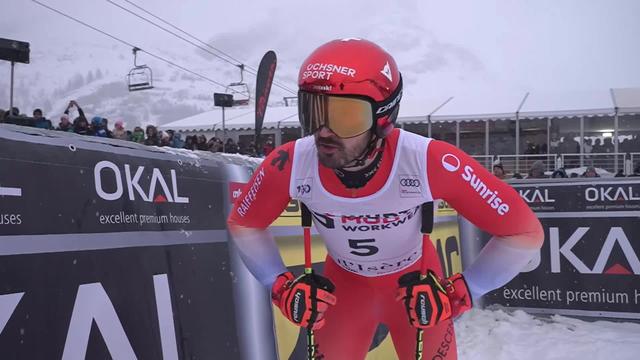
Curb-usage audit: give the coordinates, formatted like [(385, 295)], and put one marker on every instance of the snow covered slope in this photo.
[(499, 335)]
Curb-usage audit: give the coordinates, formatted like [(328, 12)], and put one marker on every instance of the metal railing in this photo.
[(611, 162), (522, 163), (632, 162), (484, 160)]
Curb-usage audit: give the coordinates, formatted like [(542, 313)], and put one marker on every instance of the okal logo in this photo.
[(92, 304), (562, 252), (611, 193), (536, 196), (106, 170)]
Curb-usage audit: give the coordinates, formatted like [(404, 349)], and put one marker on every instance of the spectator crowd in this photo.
[(538, 171), (99, 126)]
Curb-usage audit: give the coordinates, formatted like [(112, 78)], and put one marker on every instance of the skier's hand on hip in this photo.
[(303, 300), (431, 300)]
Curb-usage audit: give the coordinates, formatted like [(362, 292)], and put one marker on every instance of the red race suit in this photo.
[(373, 235)]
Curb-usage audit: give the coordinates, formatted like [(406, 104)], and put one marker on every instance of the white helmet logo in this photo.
[(386, 71), (351, 38), (450, 162)]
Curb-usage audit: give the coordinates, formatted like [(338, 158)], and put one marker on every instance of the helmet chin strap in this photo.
[(366, 152)]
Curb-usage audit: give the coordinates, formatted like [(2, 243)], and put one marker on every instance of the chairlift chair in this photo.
[(141, 76), (290, 100), (240, 90)]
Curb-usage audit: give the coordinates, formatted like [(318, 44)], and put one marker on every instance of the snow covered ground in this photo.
[(501, 335)]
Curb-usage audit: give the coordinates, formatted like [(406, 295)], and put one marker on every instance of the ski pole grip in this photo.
[(427, 217)]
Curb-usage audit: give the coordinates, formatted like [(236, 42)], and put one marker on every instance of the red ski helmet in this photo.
[(351, 86)]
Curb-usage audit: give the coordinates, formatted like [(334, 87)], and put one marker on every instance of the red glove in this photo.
[(303, 300), (431, 300), (459, 294)]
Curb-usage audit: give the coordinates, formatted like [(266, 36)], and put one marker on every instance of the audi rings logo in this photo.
[(450, 162), (410, 182), (410, 186)]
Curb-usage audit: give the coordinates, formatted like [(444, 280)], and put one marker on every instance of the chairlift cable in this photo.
[(170, 32), (179, 29), (158, 57), (251, 70)]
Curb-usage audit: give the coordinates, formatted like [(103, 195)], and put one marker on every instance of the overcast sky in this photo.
[(445, 48)]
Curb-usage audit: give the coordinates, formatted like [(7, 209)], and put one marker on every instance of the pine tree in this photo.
[(90, 78)]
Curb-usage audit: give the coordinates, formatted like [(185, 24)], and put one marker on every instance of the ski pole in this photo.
[(312, 349), (426, 228)]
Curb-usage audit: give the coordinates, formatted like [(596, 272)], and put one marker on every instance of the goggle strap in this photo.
[(385, 107)]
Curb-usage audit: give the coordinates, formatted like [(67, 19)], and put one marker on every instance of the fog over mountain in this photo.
[(489, 52)]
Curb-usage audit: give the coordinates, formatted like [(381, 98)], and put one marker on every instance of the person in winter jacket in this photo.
[(100, 127), (119, 131), (65, 124), (138, 135), (152, 136), (40, 121), (80, 123)]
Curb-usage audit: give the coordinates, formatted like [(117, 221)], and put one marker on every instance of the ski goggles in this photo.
[(346, 115)]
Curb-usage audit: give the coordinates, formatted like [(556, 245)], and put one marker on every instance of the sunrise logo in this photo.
[(450, 162)]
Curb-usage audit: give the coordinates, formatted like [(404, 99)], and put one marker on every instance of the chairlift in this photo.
[(141, 76), (290, 100), (240, 90)]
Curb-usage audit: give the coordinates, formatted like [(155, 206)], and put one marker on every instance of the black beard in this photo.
[(343, 155), (329, 141), (332, 161), (340, 158)]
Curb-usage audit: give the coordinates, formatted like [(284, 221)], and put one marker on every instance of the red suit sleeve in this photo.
[(266, 195), (493, 206), (488, 202)]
